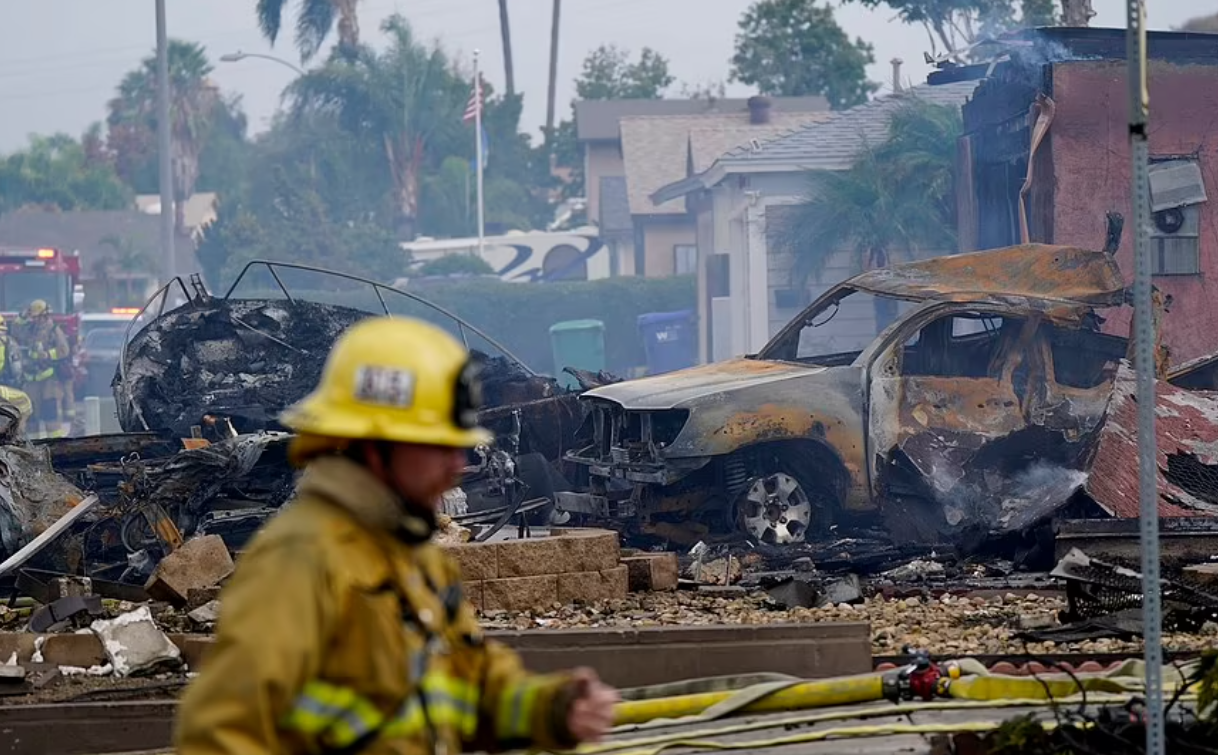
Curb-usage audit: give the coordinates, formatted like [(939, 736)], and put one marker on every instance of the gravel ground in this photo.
[(947, 626)]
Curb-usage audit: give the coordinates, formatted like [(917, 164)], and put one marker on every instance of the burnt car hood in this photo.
[(676, 390), (1044, 276)]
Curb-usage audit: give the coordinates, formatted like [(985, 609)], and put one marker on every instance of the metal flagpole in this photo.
[(1144, 338), (478, 150)]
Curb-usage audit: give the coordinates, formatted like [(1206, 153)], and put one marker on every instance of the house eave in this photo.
[(677, 189)]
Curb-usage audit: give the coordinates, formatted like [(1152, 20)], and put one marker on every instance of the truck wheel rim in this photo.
[(775, 510)]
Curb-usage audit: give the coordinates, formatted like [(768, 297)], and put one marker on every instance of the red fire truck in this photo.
[(28, 273)]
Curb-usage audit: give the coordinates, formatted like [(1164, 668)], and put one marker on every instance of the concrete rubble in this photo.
[(135, 645)]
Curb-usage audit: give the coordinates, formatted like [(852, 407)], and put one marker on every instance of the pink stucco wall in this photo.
[(1091, 175)]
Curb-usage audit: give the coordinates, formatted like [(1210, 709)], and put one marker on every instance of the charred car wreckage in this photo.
[(977, 409), (976, 414)]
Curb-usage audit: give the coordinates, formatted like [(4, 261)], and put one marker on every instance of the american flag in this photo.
[(475, 101)]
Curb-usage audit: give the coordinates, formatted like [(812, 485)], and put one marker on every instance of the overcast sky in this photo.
[(60, 60)]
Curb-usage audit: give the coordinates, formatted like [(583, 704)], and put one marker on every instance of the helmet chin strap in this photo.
[(418, 519)]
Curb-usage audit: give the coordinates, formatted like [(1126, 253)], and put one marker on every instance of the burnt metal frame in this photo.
[(162, 295), (462, 325)]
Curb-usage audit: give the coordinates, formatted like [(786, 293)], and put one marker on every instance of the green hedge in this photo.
[(519, 315)]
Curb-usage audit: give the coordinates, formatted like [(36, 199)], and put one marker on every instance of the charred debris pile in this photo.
[(197, 392), (972, 477)]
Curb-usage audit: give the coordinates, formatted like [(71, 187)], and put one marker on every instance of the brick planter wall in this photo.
[(570, 566)]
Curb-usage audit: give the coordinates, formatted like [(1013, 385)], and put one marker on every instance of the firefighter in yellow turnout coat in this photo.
[(343, 629)]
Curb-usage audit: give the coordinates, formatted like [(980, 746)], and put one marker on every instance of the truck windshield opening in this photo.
[(18, 289)]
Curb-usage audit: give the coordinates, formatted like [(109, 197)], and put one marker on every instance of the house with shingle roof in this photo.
[(647, 143), (744, 290)]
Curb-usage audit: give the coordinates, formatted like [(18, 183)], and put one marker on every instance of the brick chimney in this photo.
[(896, 74), (759, 109)]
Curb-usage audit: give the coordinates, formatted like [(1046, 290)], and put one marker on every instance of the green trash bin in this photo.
[(579, 344)]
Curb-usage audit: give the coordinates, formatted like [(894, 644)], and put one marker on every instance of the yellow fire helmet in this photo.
[(394, 379), (37, 308)]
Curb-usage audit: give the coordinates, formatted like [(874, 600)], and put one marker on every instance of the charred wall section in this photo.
[(997, 137)]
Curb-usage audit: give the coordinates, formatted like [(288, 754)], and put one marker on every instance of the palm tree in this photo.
[(505, 36), (314, 21), (1077, 12), (131, 262), (896, 198), (408, 99), (193, 105)]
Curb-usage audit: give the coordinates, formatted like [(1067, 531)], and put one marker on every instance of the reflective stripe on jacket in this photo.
[(55, 344), (336, 634)]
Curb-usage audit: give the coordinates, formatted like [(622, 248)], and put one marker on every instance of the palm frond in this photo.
[(896, 197), (270, 18), (313, 25)]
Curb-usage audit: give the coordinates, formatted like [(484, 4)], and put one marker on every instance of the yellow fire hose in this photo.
[(809, 719), (824, 693), (976, 688), (976, 684), (843, 732)]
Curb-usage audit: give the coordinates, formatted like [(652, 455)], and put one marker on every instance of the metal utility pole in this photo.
[(505, 34), (1144, 340), (168, 216), (480, 157), (553, 76)]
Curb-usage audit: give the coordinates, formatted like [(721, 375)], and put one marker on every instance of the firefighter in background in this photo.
[(344, 629), (44, 349), (15, 406)]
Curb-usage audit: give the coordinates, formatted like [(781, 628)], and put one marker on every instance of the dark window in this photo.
[(961, 346)]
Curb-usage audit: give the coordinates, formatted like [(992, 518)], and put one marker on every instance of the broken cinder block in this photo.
[(652, 572), (201, 562), (135, 645), (794, 592), (58, 616), (845, 589), (208, 613)]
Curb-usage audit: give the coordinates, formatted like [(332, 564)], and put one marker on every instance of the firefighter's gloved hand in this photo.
[(41, 355), (591, 713)]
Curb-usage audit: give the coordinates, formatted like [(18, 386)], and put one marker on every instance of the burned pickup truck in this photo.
[(976, 405)]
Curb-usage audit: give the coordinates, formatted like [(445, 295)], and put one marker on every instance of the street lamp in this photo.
[(235, 57)]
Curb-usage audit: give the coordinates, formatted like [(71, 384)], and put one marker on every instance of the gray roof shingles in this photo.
[(597, 120), (834, 143), (656, 150)]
